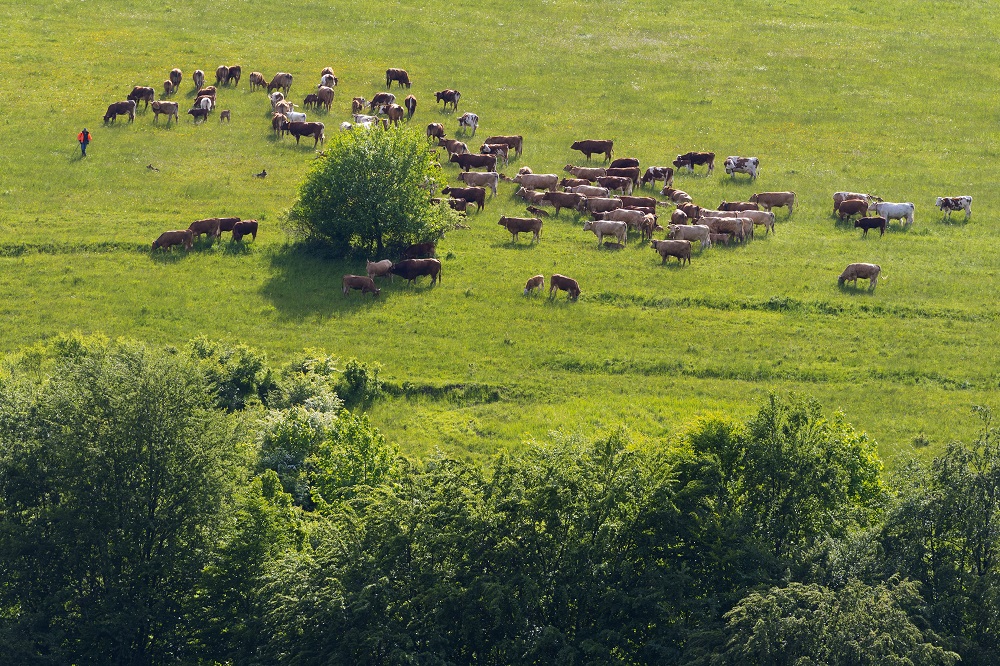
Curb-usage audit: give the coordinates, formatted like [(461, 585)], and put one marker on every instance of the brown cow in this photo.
[(120, 109), (624, 163), (591, 146), (398, 75), (170, 238), (516, 225), (719, 239), (176, 76), (358, 105), (738, 205), (379, 100), (677, 196), (411, 269), (513, 141), (168, 88), (420, 250), (673, 248), (299, 129), (573, 182), (472, 161), (209, 227), (498, 149), (168, 108), (453, 146), (854, 272), (221, 75), (852, 207), (531, 196), (631, 173), (257, 80), (225, 115), (599, 205), (279, 123), (394, 111), (199, 78), (227, 224), (769, 200), (559, 283), (282, 80), (655, 173), (208, 91), (691, 210), (411, 106), (448, 96), (648, 226), (678, 217), (141, 94), (726, 225), (476, 195), (564, 200), (362, 282), (435, 130), (642, 202), (312, 99), (616, 183), (537, 282), (244, 228), (325, 96), (693, 159), (235, 74)]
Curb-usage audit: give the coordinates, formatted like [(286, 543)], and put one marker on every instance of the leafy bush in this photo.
[(359, 384), (370, 193), (238, 375)]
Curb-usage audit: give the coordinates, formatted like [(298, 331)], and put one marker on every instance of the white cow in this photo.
[(893, 211), (469, 120), (747, 165), (361, 118), (535, 181), (691, 232), (295, 116), (633, 218), (602, 228), (275, 98), (488, 179), (203, 103), (588, 190), (949, 204), (328, 81), (346, 126)]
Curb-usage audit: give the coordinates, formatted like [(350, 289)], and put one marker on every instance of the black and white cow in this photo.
[(469, 120), (747, 165), (949, 204)]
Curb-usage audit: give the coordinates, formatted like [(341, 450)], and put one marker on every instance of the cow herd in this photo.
[(213, 227)]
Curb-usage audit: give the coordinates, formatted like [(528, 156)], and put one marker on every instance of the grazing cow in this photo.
[(644, 202), (747, 225), (235, 74), (748, 165), (632, 218), (327, 81), (244, 228), (573, 182), (227, 224), (516, 225), (120, 109), (448, 96), (399, 76), (594, 146), (453, 146), (559, 283), (379, 100), (840, 197), (769, 200), (411, 106), (197, 113), (168, 88), (361, 282), (590, 174), (726, 225), (562, 200), (673, 248), (624, 163), (532, 196), (602, 228), (325, 96), (706, 213), (279, 123), (221, 75), (738, 205), (893, 211), (535, 181), (490, 179), (225, 115), (168, 239), (141, 94), (328, 71), (764, 218), (854, 272), (678, 217), (476, 195), (867, 223), (691, 232), (514, 141), (455, 204), (599, 205), (358, 105), (176, 76), (473, 161), (376, 269), (655, 173), (852, 207), (537, 282), (467, 120), (411, 269), (299, 129), (199, 78), (689, 209), (210, 91), (395, 112), (588, 190), (276, 98), (281, 80), (692, 159), (435, 130), (257, 80), (950, 204), (167, 108), (677, 196), (632, 173), (623, 185), (498, 149), (210, 227), (311, 99)]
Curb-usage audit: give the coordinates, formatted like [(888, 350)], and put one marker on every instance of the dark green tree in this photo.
[(371, 193)]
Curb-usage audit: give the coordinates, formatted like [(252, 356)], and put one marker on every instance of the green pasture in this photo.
[(896, 98)]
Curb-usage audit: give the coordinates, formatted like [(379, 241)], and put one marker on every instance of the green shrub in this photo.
[(238, 375), (359, 384)]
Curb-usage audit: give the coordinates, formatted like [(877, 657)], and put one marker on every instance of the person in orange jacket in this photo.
[(84, 138)]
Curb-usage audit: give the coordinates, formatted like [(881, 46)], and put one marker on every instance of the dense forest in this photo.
[(199, 506)]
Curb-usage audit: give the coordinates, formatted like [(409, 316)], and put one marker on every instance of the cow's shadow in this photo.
[(956, 220), (518, 246), (861, 290), (171, 256)]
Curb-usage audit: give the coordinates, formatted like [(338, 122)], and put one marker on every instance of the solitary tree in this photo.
[(371, 192)]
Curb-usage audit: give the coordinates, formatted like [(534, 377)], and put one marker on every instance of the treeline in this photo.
[(197, 506)]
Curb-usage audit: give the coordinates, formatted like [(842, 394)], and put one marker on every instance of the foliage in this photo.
[(238, 375), (359, 385), (369, 193)]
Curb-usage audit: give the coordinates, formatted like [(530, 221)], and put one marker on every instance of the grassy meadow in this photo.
[(897, 99)]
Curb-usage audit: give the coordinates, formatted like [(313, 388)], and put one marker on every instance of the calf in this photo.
[(168, 239), (562, 200), (677, 196), (395, 112), (245, 228), (559, 283), (534, 283), (362, 282), (221, 75), (655, 173), (227, 224), (278, 123), (673, 248), (176, 76), (470, 160), (867, 223), (376, 269), (516, 225), (490, 179), (764, 218), (531, 196), (327, 81), (312, 99), (476, 195), (602, 228), (649, 225), (595, 146), (719, 239), (854, 272), (469, 120), (168, 88), (748, 165), (325, 96), (235, 74), (738, 205), (199, 78), (693, 159), (282, 80), (225, 115), (678, 217), (358, 105), (769, 200), (198, 113), (950, 204), (448, 96), (731, 226), (411, 269), (515, 141)]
